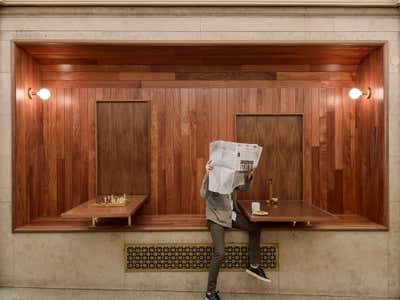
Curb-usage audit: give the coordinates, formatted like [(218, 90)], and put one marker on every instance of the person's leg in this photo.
[(217, 234), (254, 237)]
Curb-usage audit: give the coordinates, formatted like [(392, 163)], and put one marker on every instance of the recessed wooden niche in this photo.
[(78, 143)]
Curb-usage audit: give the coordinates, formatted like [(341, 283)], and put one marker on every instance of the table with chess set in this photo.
[(107, 206)]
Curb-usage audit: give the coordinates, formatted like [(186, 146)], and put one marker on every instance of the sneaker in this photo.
[(258, 273), (212, 296)]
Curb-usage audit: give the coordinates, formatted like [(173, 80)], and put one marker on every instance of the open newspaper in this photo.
[(229, 161)]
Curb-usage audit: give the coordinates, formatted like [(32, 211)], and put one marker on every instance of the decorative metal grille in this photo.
[(193, 257)]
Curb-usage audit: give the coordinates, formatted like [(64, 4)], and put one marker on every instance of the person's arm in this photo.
[(247, 183), (204, 185)]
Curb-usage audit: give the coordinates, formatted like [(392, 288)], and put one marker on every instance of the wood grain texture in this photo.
[(121, 54), (28, 150), (315, 76), (198, 68), (281, 137), (55, 141), (183, 122), (286, 211), (87, 210), (371, 141), (122, 148)]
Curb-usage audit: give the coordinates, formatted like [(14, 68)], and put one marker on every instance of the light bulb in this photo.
[(355, 93), (44, 94)]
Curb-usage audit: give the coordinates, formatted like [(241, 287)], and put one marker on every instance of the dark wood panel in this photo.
[(226, 75), (281, 137), (198, 68), (122, 148), (286, 211), (315, 76), (28, 159), (273, 54), (108, 76), (371, 141)]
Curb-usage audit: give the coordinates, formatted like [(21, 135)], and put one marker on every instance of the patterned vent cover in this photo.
[(192, 257)]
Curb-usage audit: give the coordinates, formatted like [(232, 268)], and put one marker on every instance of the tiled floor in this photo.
[(66, 294)]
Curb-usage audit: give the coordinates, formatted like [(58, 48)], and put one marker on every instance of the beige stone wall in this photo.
[(333, 263)]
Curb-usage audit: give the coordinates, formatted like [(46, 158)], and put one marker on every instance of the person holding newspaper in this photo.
[(222, 212)]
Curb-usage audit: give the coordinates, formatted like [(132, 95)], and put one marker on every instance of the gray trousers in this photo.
[(218, 237)]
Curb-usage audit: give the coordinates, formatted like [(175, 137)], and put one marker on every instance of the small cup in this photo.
[(255, 206), (274, 200)]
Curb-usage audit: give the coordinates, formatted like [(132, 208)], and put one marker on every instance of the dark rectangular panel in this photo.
[(122, 147), (281, 137)]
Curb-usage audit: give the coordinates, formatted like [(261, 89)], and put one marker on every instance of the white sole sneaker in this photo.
[(258, 277)]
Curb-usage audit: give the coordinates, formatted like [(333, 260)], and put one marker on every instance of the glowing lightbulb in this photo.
[(44, 94), (355, 93)]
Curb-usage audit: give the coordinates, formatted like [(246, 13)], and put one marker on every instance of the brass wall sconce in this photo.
[(356, 93), (43, 93)]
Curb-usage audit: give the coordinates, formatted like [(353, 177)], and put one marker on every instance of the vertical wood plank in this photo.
[(315, 97), (330, 119), (60, 153), (307, 127), (76, 140), (323, 149)]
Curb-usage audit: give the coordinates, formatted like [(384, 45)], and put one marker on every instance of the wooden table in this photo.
[(286, 211), (85, 210)]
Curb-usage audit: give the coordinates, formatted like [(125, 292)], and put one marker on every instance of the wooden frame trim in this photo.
[(386, 165), (148, 102), (293, 3), (13, 131), (82, 226), (21, 42), (301, 115)]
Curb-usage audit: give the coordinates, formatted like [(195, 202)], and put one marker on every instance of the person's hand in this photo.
[(250, 174), (209, 166)]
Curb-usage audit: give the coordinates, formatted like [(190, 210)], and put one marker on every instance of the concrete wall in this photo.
[(333, 263)]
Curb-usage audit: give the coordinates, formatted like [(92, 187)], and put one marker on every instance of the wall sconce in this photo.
[(356, 93), (43, 93)]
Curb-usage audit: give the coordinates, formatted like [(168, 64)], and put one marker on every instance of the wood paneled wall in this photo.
[(370, 137), (183, 123), (28, 163), (55, 141)]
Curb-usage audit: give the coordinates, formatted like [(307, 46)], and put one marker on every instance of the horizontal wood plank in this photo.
[(342, 76)]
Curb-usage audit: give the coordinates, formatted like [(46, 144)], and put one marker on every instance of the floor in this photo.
[(79, 294)]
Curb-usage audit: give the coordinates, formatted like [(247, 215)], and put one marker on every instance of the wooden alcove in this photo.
[(196, 93)]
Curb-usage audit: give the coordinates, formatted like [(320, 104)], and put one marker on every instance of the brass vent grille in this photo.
[(193, 257)]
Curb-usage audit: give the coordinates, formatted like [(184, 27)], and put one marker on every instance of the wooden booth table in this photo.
[(87, 210), (286, 211)]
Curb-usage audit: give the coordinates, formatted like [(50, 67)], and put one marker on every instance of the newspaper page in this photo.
[(229, 160)]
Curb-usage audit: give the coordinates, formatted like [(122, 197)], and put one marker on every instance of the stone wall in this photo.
[(320, 262)]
